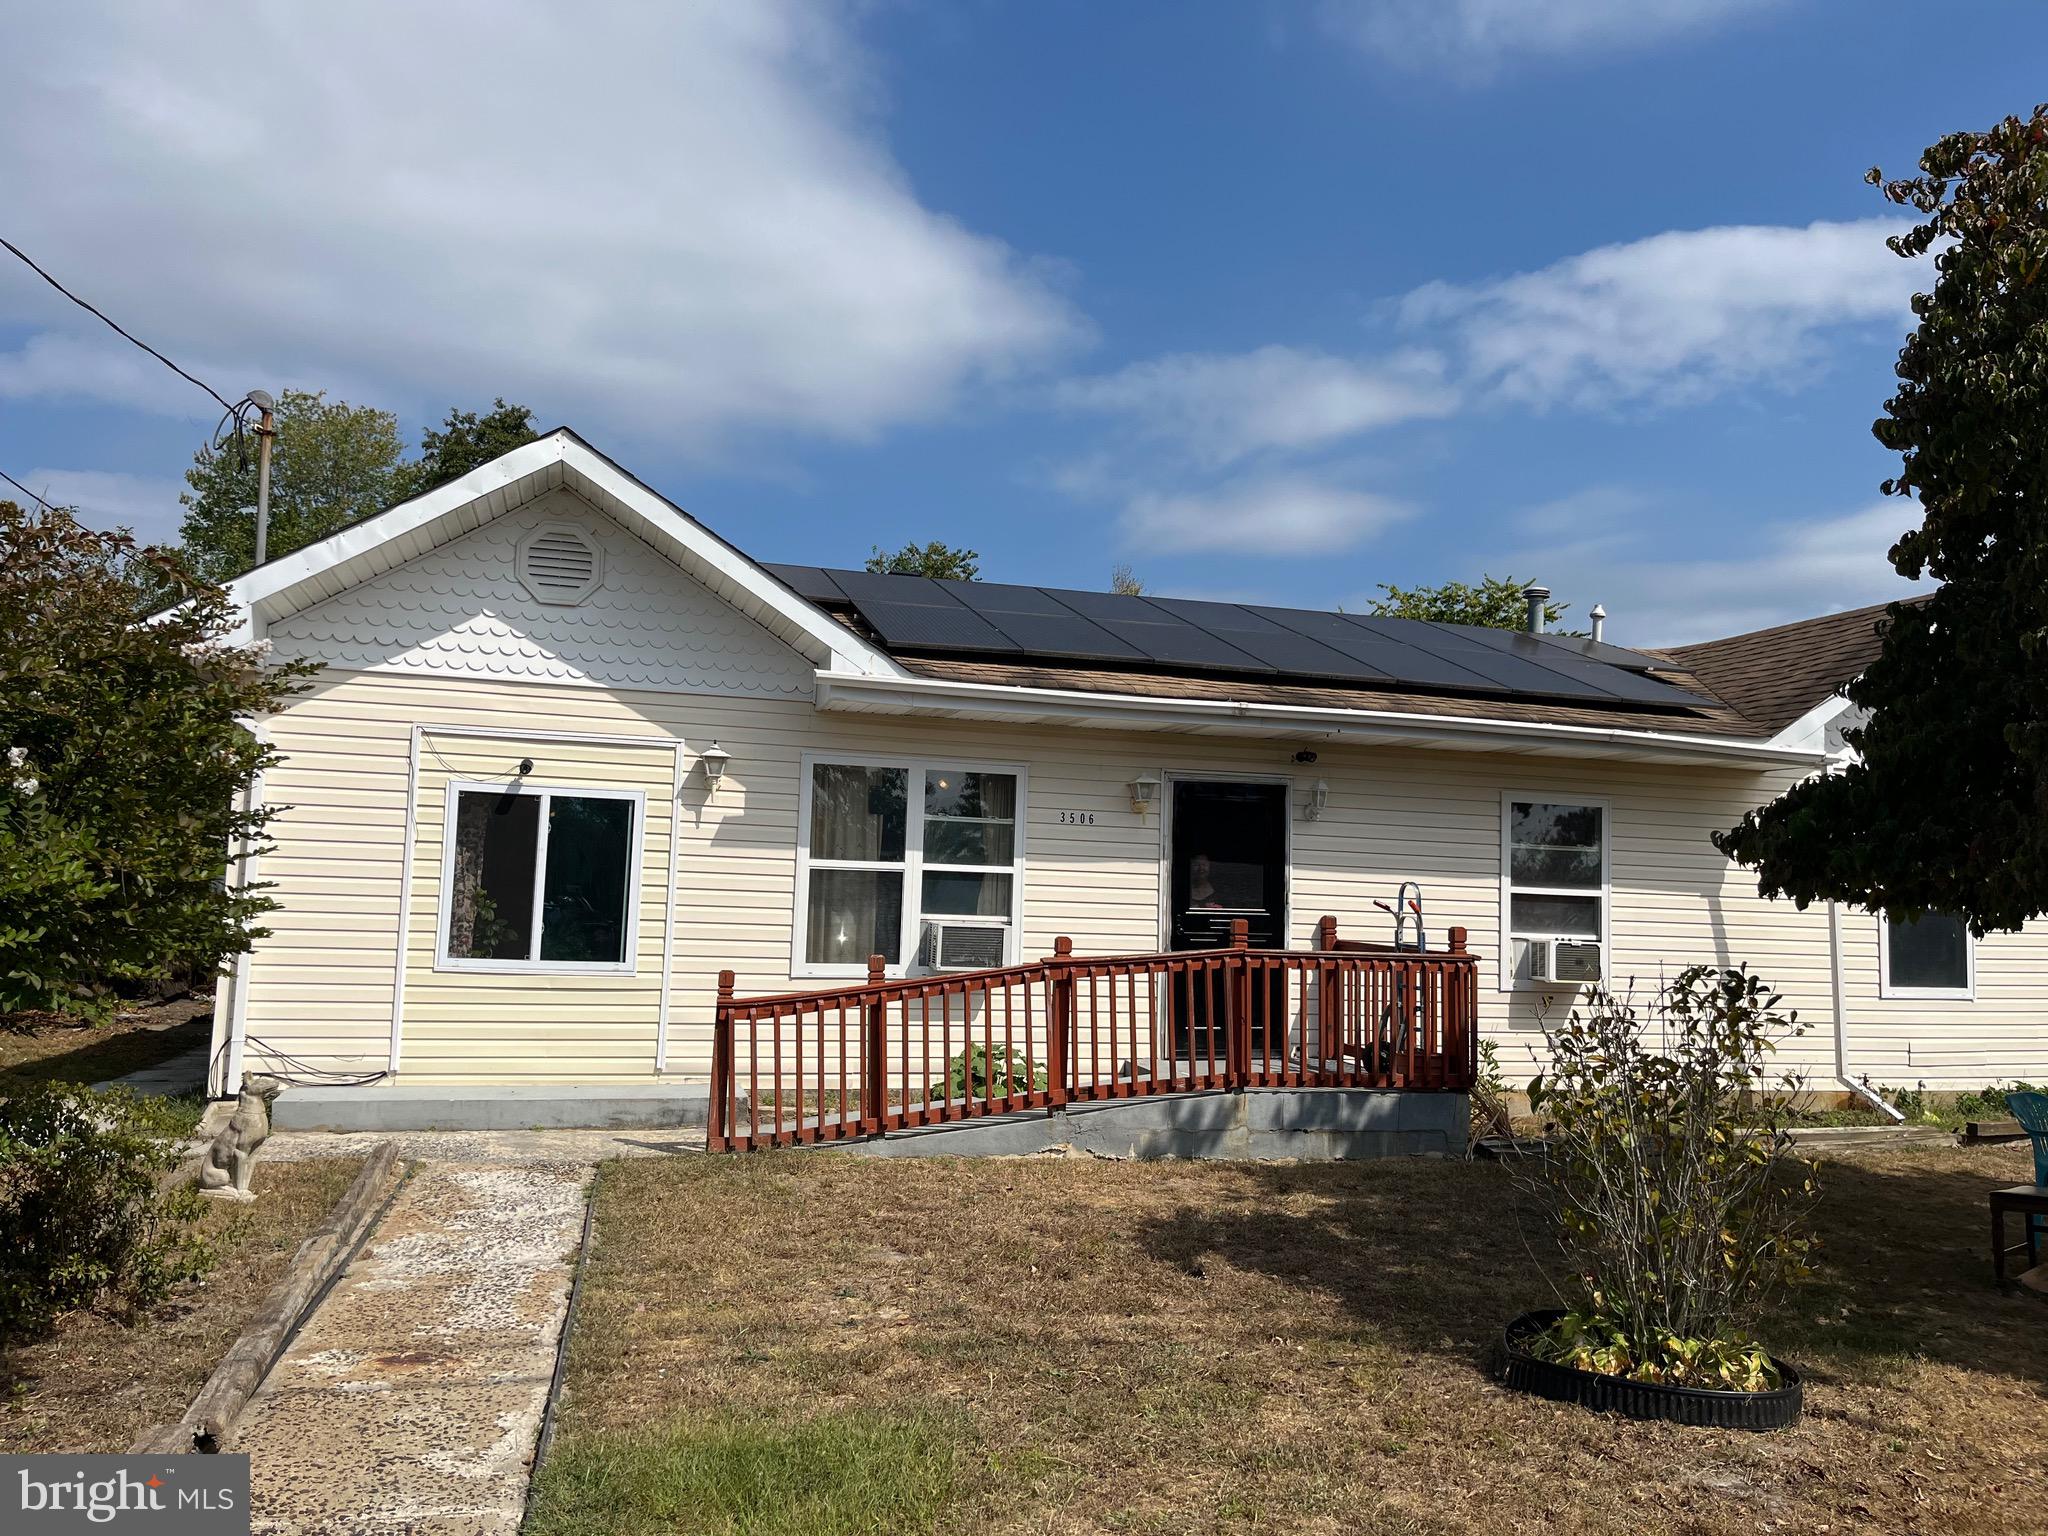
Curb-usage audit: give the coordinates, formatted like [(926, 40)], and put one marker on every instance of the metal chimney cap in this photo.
[(1535, 589)]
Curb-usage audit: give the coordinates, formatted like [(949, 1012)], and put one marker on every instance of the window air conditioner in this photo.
[(1572, 962), (947, 945)]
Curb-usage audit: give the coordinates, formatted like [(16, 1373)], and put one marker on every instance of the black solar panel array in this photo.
[(916, 613)]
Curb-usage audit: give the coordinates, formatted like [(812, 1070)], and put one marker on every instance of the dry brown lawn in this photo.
[(1065, 1346), (98, 1383)]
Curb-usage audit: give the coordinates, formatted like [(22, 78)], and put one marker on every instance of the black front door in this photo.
[(1229, 862)]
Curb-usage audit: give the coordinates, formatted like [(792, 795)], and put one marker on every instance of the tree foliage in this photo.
[(934, 559), (1947, 809), (1496, 603), (125, 767), (1124, 582), (464, 440), (332, 464)]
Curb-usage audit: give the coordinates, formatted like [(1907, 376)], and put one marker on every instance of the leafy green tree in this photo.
[(933, 559), (1496, 603), (463, 441), (125, 765), (1947, 809), (332, 464)]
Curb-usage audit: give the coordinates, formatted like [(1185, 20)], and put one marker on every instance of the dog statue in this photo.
[(231, 1158)]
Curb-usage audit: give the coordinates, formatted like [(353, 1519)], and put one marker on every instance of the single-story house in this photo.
[(571, 755)]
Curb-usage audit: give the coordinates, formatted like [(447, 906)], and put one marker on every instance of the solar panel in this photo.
[(925, 625), (1003, 619), (809, 581), (1063, 634)]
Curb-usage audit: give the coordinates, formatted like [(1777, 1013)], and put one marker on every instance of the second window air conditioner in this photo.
[(1573, 962), (947, 945)]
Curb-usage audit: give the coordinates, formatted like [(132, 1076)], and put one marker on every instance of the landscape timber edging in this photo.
[(319, 1260)]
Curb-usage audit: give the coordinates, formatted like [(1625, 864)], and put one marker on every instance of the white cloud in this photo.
[(144, 503), (1785, 571), (1474, 38), (1218, 407), (1671, 318), (673, 220), (1282, 515)]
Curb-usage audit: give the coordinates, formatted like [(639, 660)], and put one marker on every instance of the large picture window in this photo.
[(1553, 891), (888, 845), (539, 879), (1929, 956)]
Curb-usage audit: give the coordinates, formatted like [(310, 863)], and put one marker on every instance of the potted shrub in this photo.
[(1670, 1188)]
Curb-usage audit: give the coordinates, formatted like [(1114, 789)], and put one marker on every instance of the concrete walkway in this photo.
[(167, 1079), (411, 1400)]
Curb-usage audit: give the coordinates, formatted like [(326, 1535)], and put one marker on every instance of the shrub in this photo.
[(978, 1073), (1668, 1176), (1490, 1115), (86, 1223)]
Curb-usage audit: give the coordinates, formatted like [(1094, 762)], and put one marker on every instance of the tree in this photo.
[(934, 559), (1123, 583), (462, 441), (125, 769), (1496, 603), (331, 465), (1947, 808)]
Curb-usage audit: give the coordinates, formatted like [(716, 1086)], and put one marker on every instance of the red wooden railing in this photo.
[(802, 1067)]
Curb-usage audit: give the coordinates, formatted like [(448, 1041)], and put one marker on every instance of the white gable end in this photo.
[(474, 607)]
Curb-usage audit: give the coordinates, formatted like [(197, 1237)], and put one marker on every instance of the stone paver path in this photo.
[(411, 1399)]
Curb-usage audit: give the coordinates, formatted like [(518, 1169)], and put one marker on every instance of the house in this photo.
[(572, 755)]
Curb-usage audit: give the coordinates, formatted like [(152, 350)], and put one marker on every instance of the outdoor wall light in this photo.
[(525, 766), (1318, 797), (1144, 790), (714, 758)]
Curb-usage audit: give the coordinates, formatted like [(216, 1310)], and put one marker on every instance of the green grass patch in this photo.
[(841, 1474)]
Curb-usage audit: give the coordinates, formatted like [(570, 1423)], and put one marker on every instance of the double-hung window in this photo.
[(888, 846), (539, 879), (1928, 956), (1554, 891)]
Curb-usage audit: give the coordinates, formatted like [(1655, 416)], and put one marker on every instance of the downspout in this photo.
[(1862, 1091), (236, 1012)]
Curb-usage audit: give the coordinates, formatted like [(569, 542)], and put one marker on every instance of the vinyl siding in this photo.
[(322, 983)]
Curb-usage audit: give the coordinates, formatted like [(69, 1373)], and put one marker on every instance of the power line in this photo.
[(25, 259), (31, 495)]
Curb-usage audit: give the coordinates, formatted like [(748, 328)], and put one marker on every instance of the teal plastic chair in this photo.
[(2031, 1110)]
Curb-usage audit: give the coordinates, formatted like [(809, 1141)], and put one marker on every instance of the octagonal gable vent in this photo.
[(560, 564)]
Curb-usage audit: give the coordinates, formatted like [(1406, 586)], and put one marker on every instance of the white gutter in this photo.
[(1138, 712), (1861, 1090)]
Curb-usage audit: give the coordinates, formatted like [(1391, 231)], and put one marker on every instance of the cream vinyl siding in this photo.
[(321, 986)]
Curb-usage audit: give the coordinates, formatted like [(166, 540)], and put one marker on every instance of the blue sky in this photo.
[(1273, 301)]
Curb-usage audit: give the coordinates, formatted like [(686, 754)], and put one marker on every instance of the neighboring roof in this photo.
[(1238, 646), (1774, 676)]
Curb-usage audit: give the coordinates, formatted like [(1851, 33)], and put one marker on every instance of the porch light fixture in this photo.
[(714, 758), (1144, 790), (1318, 797)]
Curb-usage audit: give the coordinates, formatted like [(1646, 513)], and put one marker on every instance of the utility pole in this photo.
[(266, 429)]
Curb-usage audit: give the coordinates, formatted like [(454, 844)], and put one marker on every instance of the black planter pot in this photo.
[(1523, 1372)]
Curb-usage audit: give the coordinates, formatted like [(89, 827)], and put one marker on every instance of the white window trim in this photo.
[(913, 866), (1967, 993), (1506, 959), (443, 961)]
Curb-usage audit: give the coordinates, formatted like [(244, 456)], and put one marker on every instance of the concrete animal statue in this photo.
[(232, 1156)]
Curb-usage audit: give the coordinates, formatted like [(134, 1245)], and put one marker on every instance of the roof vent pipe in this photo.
[(1537, 598), (1599, 622)]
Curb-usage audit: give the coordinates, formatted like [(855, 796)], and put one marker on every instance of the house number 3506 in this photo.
[(1077, 818)]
